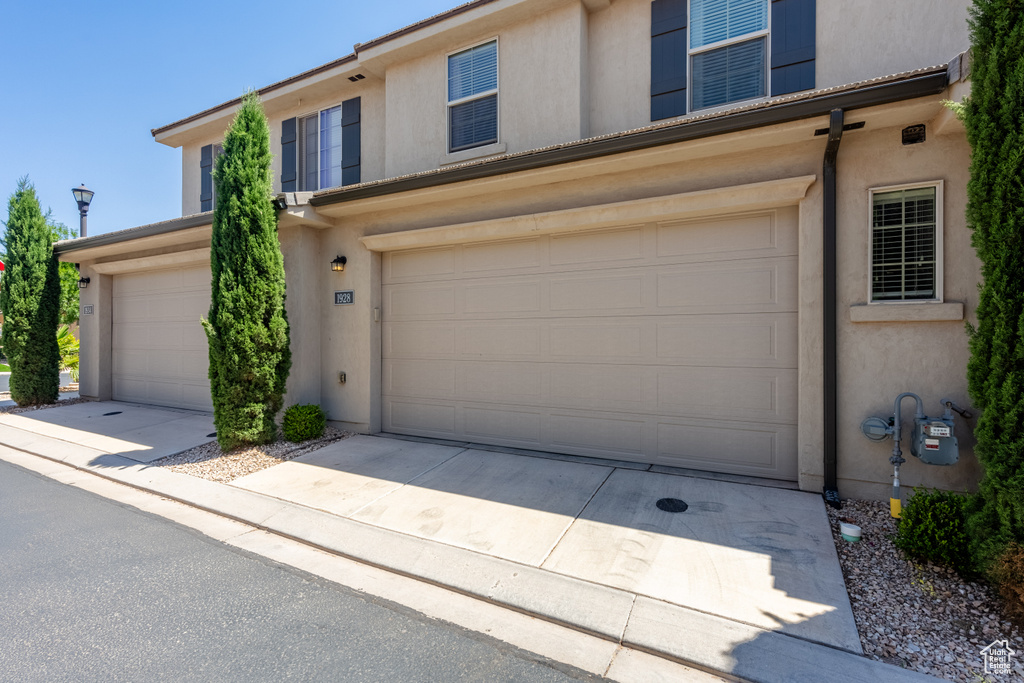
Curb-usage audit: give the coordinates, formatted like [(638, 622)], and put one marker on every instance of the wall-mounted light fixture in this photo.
[(83, 282), (338, 264)]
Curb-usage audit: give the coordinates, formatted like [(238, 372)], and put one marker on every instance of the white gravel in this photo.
[(918, 615), (208, 461)]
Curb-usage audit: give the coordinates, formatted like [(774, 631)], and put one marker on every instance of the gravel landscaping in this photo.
[(918, 615), (6, 396), (208, 461)]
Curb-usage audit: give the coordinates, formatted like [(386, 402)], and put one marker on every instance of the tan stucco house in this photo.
[(601, 228)]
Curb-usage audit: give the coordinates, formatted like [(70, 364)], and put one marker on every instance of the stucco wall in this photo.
[(540, 81)]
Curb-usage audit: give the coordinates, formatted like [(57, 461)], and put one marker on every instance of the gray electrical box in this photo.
[(933, 441)]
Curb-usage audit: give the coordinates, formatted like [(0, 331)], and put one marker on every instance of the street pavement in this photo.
[(97, 591)]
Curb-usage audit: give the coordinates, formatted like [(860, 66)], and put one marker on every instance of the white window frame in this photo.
[(939, 229), (478, 96), (766, 33), (300, 168)]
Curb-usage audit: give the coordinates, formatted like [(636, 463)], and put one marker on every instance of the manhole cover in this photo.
[(672, 505), (116, 412), (211, 435)]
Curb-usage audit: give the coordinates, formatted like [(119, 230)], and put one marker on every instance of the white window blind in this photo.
[(713, 21), (903, 244), (473, 97)]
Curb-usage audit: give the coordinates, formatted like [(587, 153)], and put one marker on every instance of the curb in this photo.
[(715, 644)]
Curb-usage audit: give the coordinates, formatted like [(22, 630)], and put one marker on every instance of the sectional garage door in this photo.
[(159, 348), (671, 343)]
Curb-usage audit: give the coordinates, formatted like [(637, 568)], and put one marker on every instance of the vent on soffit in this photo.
[(357, 77)]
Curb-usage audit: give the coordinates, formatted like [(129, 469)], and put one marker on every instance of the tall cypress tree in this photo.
[(30, 301), (247, 327), (994, 118)]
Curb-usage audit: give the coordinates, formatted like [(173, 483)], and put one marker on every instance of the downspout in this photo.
[(830, 490)]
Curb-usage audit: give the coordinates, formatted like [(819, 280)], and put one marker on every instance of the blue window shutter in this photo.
[(206, 178), (350, 149), (668, 58), (289, 160), (793, 47)]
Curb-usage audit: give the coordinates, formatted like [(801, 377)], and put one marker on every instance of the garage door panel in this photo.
[(418, 339), (496, 340), (597, 435), (159, 349), (729, 447), (506, 424), (503, 297), (746, 286), (598, 247), (409, 302), (589, 293), (500, 382), (740, 393), (426, 418), (426, 378), (747, 236), (511, 255), (671, 342), (748, 340), (620, 339)]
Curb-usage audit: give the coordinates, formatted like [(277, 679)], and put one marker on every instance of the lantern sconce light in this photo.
[(338, 264), (83, 282)]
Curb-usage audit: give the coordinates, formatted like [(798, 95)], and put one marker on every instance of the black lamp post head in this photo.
[(83, 196)]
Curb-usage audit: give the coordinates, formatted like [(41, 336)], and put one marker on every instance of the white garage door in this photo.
[(160, 354), (670, 343)]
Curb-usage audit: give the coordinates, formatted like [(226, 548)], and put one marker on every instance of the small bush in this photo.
[(1008, 575), (933, 527), (303, 422)]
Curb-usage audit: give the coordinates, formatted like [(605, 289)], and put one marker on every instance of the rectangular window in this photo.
[(728, 51), (319, 138), (906, 229), (473, 97)]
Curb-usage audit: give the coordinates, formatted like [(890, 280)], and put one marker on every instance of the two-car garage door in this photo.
[(159, 350), (668, 342)]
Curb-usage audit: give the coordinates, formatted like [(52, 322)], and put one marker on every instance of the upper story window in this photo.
[(728, 51), (906, 241), (319, 139), (473, 97)]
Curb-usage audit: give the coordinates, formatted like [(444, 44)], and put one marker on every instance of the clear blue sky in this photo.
[(84, 83)]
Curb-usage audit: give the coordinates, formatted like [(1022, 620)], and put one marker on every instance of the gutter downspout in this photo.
[(830, 489)]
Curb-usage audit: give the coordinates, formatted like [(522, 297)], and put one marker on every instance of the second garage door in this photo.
[(671, 342), (160, 353)]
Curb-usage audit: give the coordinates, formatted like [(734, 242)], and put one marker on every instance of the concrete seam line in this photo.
[(462, 591)]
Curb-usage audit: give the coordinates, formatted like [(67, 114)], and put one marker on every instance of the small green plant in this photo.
[(68, 351), (303, 422), (1008, 575), (933, 527)]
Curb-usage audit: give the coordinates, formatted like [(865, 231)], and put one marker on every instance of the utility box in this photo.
[(933, 441)]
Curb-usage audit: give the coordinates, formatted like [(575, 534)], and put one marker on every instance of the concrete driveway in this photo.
[(745, 578)]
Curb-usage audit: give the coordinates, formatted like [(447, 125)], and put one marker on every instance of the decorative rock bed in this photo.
[(918, 615)]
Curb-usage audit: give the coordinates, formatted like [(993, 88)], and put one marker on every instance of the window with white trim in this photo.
[(473, 97), (906, 243), (319, 142), (728, 51)]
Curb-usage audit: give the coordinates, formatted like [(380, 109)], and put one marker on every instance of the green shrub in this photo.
[(1008, 575), (68, 351), (933, 527), (303, 422)]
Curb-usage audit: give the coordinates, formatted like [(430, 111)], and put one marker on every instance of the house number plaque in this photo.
[(344, 298), (87, 310)]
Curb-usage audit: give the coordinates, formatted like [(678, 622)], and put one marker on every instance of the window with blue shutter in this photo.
[(322, 149), (710, 53), (473, 97)]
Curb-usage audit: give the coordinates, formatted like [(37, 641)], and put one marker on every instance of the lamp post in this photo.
[(83, 196)]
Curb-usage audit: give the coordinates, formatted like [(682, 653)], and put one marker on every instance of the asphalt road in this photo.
[(92, 590)]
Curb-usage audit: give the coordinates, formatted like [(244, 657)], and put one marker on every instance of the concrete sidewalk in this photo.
[(745, 582)]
